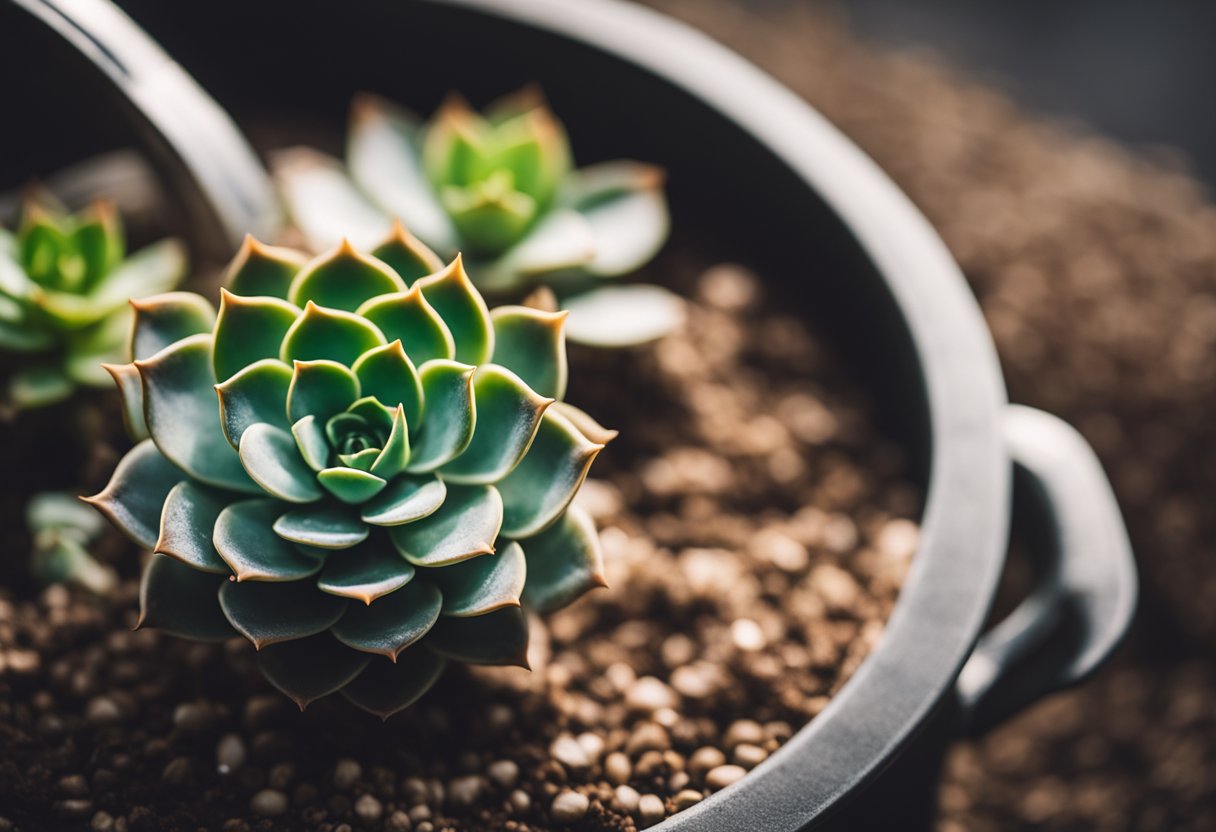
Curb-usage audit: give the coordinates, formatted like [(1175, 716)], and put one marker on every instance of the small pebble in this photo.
[(504, 772), (650, 810), (686, 798), (230, 754), (398, 821), (743, 730), (464, 791), (177, 772), (626, 799), (102, 711), (567, 751), (723, 776), (645, 737), (569, 806), (617, 768), (521, 801), (74, 785), (269, 803), (369, 809), (420, 813), (593, 745), (102, 822), (192, 717), (650, 694), (704, 759), (747, 635), (346, 774), (748, 755)]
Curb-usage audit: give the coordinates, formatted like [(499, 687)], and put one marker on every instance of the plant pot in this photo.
[(759, 177)]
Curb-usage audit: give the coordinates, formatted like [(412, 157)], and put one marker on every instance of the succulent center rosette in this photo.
[(357, 466)]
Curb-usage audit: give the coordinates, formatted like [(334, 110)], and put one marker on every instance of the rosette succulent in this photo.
[(500, 187), (355, 465), (65, 282)]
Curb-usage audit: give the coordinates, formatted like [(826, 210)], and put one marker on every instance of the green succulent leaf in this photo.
[(623, 203), (564, 562), (451, 414), (622, 316), (325, 527), (408, 317), (249, 329), (385, 688), (60, 511), (586, 425), (257, 394), (38, 385), (508, 415), (323, 202), (482, 585), (350, 485), (532, 344), (490, 214), (98, 238), (311, 668), (312, 443), (181, 600), (136, 493), (496, 638), (563, 239), (391, 460), (452, 295), (259, 270), (406, 499), (407, 255), (187, 523), (165, 319), (366, 572), (464, 527), (18, 336), (105, 342), (379, 416), (321, 388), (269, 613), (343, 279), (388, 374), (150, 271), (332, 334), (383, 161), (393, 622), (245, 538), (272, 460), (361, 461), (546, 480)]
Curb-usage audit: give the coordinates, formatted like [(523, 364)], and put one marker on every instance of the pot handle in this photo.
[(1085, 598), (184, 131)]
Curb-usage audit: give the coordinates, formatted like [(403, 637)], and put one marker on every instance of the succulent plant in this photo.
[(499, 187), (65, 282), (62, 531), (355, 465)]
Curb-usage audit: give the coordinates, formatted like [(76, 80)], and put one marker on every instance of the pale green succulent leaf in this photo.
[(311, 442), (532, 344), (547, 478), (150, 271), (388, 374), (332, 334), (21, 337), (321, 388), (324, 527), (59, 557), (382, 155), (623, 203), (392, 459), (464, 527), (451, 414), (105, 342), (323, 202), (135, 495), (585, 423), (248, 330), (181, 601), (245, 538), (385, 688), (60, 511), (622, 316), (482, 585), (460, 305), (408, 317), (187, 525), (14, 282), (564, 562), (452, 142), (269, 613), (273, 461), (490, 215), (496, 638), (392, 622), (362, 461), (405, 499), (408, 256), (167, 318), (262, 270), (366, 572), (131, 390), (561, 240), (343, 278), (311, 668), (350, 485), (257, 394), (39, 385), (508, 415)]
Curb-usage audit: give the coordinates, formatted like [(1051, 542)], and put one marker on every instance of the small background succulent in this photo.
[(63, 530), (357, 466), (500, 187), (65, 286)]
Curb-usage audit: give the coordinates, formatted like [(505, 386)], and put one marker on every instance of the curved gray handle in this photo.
[(1085, 597), (186, 134)]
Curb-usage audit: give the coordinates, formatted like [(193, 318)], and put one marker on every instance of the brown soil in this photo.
[(756, 535), (1096, 269)]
